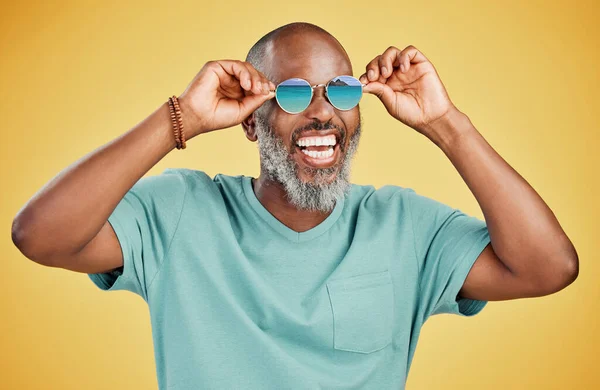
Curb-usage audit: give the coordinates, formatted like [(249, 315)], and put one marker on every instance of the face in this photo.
[(313, 176)]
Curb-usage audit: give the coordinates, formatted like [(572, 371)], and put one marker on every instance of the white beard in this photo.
[(279, 165)]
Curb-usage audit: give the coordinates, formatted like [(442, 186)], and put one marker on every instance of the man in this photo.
[(296, 279)]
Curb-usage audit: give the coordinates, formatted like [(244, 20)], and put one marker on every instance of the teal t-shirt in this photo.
[(238, 300)]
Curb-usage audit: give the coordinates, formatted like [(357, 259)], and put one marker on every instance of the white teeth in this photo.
[(314, 154), (317, 141)]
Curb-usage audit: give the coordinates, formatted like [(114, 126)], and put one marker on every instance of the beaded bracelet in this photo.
[(177, 122)]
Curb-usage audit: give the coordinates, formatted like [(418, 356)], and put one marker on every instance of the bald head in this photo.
[(300, 43)]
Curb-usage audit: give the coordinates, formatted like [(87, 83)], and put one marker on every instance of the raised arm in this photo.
[(530, 254), (65, 223)]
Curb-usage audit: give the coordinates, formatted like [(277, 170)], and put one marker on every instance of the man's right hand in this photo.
[(222, 95)]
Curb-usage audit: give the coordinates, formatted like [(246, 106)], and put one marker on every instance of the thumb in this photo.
[(250, 103), (382, 91)]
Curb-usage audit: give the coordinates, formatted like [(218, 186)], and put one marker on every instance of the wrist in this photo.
[(448, 129), (191, 122)]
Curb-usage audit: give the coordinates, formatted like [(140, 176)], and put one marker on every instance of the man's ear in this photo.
[(249, 126)]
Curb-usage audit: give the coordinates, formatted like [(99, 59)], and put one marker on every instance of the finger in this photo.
[(250, 103), (237, 69), (268, 85), (383, 91), (257, 86), (372, 69), (260, 83), (410, 55), (386, 62)]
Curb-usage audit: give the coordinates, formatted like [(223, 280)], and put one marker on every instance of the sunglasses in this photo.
[(294, 95)]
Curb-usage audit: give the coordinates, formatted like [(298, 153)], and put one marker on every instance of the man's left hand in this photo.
[(408, 86)]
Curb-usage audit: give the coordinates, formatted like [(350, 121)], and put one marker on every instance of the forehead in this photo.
[(314, 57)]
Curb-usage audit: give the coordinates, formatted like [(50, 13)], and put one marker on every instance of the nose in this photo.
[(319, 108)]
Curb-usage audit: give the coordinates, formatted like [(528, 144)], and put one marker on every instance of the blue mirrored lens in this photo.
[(293, 95), (344, 92)]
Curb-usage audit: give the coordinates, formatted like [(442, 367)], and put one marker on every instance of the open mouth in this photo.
[(319, 151)]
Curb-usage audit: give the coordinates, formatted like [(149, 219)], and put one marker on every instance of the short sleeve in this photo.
[(144, 221), (447, 244)]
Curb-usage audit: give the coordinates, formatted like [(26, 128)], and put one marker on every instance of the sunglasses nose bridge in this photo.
[(320, 91)]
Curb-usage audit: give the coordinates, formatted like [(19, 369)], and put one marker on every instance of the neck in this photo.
[(272, 196)]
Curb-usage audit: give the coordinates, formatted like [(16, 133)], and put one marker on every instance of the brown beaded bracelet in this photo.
[(174, 123), (180, 120), (177, 121)]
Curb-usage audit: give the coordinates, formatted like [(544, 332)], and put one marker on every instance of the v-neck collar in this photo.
[(280, 227)]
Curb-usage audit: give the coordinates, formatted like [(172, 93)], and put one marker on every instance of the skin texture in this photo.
[(529, 255)]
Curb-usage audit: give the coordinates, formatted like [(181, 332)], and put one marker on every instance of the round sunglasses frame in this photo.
[(312, 92)]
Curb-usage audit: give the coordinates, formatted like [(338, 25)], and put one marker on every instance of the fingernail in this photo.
[(371, 74), (383, 70), (363, 79), (402, 68)]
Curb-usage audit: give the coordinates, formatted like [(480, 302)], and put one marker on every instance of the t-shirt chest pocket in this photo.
[(363, 311)]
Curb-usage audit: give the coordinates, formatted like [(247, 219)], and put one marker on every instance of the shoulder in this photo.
[(397, 199), (168, 184), (198, 179), (368, 195), (170, 188), (160, 195), (206, 192), (189, 177)]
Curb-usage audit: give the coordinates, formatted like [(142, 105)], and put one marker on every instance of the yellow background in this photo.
[(76, 75)]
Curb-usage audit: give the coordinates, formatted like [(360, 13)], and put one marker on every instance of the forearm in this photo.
[(524, 232), (67, 212)]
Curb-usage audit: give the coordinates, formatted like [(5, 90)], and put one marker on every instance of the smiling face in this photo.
[(310, 152)]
